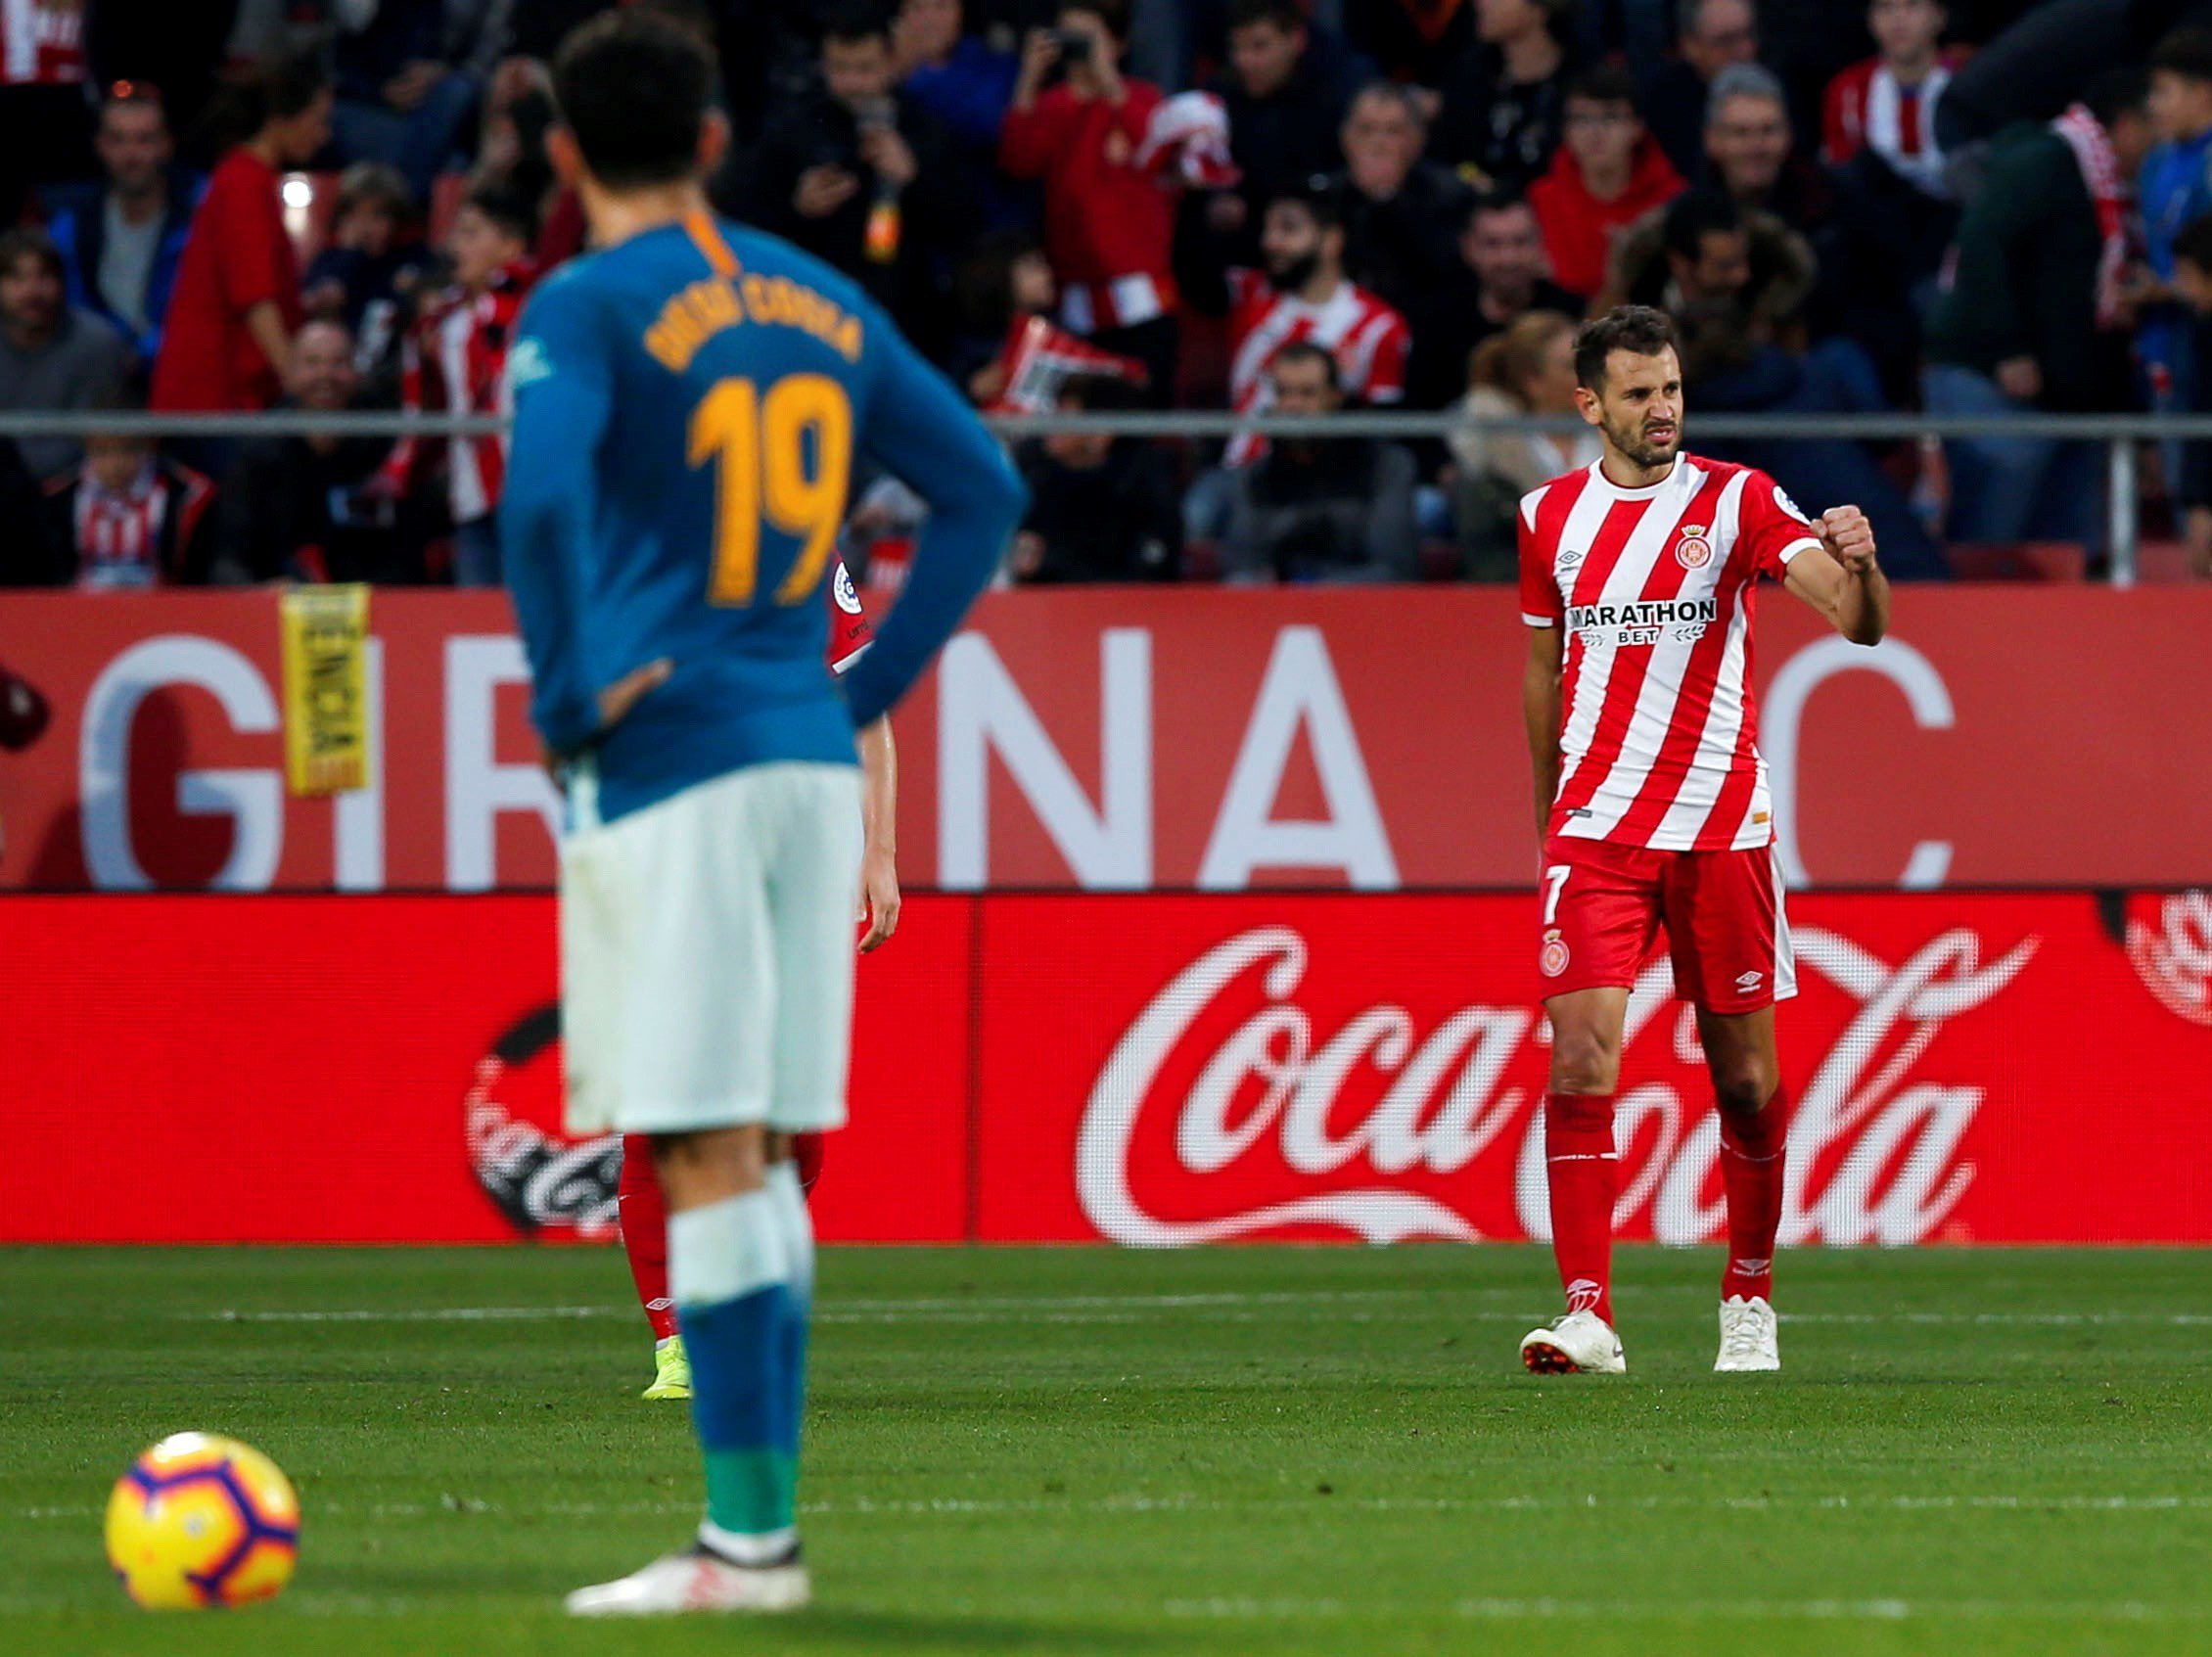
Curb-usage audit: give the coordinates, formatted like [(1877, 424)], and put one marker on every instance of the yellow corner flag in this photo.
[(326, 688)]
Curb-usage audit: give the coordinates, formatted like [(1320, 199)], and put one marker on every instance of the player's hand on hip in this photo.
[(626, 692), (1848, 537), (879, 899)]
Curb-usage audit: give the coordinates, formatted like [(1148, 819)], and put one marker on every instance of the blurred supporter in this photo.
[(1888, 103), (1401, 214), (53, 355), (1707, 254), (307, 508), (121, 238), (1876, 239), (368, 276), (227, 344), (1108, 223), (1527, 369), (1313, 509), (1101, 508), (45, 121), (124, 518), (965, 86), (1285, 103), (1609, 173), (1502, 277), (1712, 35), (863, 178), (2037, 314), (1303, 297), (455, 363), (2192, 491), (1505, 102), (400, 98), (1411, 40), (2175, 190)]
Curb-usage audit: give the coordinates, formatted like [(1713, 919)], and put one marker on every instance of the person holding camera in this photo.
[(1109, 226), (863, 178)]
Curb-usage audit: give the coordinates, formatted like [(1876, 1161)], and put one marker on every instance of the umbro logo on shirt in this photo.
[(1568, 560)]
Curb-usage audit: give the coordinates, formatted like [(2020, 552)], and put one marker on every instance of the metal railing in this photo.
[(2119, 434)]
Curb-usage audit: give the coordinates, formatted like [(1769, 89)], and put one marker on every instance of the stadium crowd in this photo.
[(1295, 204)]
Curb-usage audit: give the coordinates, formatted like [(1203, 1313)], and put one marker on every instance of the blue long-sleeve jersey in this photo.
[(688, 406)]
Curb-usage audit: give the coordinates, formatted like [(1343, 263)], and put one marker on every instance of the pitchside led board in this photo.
[(1188, 974)]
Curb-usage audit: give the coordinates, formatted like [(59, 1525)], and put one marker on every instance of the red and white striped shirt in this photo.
[(455, 362), (1367, 338), (41, 42), (1869, 108), (1654, 586)]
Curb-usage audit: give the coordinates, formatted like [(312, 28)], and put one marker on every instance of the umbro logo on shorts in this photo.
[(1748, 980)]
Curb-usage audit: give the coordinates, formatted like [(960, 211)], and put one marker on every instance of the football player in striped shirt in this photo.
[(1637, 577)]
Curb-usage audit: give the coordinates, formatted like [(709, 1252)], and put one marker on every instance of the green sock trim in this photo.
[(752, 1490)]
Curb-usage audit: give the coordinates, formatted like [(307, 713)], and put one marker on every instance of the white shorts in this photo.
[(707, 955)]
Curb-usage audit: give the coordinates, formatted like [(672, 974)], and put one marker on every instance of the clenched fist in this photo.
[(1848, 537)]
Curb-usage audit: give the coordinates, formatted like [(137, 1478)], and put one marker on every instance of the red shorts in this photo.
[(1603, 905)]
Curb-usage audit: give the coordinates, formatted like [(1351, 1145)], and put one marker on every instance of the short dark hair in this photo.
[(1695, 214), (1605, 84), (29, 242), (506, 207), (1284, 14), (1638, 330), (633, 88), (1114, 14), (1485, 203), (2117, 92), (2187, 52), (2193, 243), (1306, 351), (374, 184), (289, 85), (848, 20), (1321, 199)]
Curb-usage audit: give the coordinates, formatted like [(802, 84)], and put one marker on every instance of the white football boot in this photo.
[(1582, 1343), (1749, 1336), (697, 1580)]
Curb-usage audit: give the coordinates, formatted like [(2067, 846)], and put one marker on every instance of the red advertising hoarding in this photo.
[(1148, 739), (1146, 1070)]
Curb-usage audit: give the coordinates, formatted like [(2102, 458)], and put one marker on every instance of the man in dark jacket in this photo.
[(862, 179), (1101, 508), (310, 508), (1321, 509), (1401, 214), (1285, 101), (2037, 314), (120, 238)]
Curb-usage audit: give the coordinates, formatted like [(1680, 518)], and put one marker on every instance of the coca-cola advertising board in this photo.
[(1144, 1070), (1148, 740)]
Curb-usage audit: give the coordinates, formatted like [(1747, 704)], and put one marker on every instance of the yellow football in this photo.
[(199, 1520)]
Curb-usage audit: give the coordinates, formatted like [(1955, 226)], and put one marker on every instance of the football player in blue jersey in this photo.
[(689, 401)]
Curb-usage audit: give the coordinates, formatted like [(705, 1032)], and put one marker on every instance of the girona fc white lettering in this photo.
[(1267, 1099)]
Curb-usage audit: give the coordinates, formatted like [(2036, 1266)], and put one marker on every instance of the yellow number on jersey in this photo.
[(760, 450)]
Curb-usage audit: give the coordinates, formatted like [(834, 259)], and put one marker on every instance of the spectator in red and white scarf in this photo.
[(127, 518), (1109, 224), (454, 363), (1887, 102)]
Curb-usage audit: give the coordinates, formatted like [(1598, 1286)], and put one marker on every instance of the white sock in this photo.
[(727, 1250), (796, 1224)]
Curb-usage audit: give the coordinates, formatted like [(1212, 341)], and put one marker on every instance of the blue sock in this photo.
[(798, 1229), (728, 1272)]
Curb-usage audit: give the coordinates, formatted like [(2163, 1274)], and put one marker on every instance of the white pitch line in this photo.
[(1191, 1503), (1124, 1308), (1243, 1609)]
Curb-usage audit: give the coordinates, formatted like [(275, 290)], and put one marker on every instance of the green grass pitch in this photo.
[(1244, 1451)]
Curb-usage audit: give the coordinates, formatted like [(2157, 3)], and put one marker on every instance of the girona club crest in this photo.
[(1553, 961), (1694, 550), (2173, 954)]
